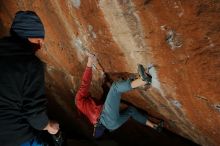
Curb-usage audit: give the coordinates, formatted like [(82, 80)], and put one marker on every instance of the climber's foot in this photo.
[(144, 75), (159, 126)]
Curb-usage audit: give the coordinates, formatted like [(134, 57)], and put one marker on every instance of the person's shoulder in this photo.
[(35, 60), (6, 39)]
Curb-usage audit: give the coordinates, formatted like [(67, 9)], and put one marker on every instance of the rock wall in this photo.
[(180, 38)]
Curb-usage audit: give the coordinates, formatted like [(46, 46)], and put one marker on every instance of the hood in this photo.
[(27, 24), (11, 46)]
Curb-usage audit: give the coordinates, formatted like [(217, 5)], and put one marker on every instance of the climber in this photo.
[(22, 96), (107, 115)]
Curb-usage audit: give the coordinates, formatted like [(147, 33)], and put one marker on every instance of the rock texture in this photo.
[(181, 38)]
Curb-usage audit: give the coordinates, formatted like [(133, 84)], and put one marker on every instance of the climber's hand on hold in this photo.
[(92, 59)]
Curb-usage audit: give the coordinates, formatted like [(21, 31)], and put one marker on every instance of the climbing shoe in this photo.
[(159, 126), (144, 75)]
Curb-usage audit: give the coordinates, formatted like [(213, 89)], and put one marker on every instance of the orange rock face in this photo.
[(180, 38)]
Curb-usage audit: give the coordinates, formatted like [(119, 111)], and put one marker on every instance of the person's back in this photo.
[(19, 67), (22, 100)]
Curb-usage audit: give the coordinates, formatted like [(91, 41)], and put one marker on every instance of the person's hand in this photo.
[(52, 127), (92, 59)]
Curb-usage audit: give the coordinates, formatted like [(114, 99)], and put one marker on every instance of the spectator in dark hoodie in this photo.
[(22, 100)]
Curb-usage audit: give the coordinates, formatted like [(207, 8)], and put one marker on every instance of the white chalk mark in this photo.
[(155, 81), (76, 3), (176, 103)]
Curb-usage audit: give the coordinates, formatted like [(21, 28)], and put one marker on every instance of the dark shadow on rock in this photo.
[(78, 131)]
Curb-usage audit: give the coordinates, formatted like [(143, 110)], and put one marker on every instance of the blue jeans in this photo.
[(111, 117), (32, 142)]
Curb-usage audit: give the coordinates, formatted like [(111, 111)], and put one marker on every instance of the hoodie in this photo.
[(22, 100)]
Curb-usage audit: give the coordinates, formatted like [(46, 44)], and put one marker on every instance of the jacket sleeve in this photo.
[(85, 83), (83, 91), (34, 101)]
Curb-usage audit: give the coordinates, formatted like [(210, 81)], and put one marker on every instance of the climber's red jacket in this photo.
[(84, 101)]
